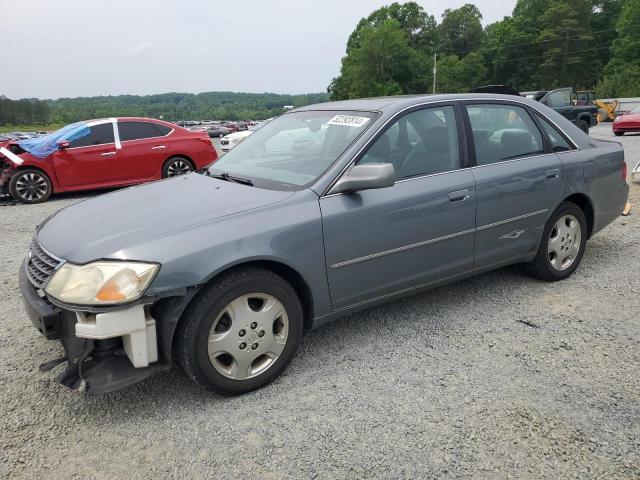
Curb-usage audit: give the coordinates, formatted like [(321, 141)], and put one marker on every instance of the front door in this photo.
[(518, 181), (380, 242), (89, 160)]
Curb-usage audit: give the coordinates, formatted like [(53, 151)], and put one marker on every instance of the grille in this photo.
[(41, 265), (224, 142)]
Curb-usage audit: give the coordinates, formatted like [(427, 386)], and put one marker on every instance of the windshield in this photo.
[(295, 149)]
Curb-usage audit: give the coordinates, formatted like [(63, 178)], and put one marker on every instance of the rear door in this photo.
[(518, 180), (89, 160), (145, 147), (380, 242)]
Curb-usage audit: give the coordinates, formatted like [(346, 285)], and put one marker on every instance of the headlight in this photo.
[(101, 283)]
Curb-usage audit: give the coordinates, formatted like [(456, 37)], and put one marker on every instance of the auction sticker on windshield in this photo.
[(348, 121)]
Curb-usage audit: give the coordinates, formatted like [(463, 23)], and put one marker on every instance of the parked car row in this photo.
[(326, 210), (6, 137), (102, 153)]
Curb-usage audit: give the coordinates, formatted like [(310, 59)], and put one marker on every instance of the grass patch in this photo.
[(30, 128)]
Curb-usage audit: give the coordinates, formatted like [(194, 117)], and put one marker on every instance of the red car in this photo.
[(627, 122), (110, 152)]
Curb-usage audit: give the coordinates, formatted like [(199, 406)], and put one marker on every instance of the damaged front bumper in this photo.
[(104, 351)]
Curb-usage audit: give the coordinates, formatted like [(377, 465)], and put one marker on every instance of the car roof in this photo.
[(392, 104)]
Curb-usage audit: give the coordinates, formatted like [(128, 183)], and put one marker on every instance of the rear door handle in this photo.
[(459, 196), (553, 174), (159, 147), (108, 154)]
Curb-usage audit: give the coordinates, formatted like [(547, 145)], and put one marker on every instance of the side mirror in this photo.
[(366, 177), (62, 144)]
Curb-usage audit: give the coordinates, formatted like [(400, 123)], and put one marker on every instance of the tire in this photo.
[(583, 125), (209, 328), (549, 264), (221, 135), (30, 186), (618, 134), (177, 166)]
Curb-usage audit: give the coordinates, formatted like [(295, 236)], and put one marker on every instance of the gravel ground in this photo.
[(449, 383)]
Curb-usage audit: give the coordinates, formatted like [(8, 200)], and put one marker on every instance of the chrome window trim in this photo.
[(525, 157), (432, 102), (410, 179), (424, 243), (116, 139)]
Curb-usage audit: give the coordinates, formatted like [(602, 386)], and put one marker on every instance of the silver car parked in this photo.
[(326, 210)]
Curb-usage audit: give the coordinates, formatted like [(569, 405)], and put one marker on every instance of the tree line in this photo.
[(169, 106), (544, 44)]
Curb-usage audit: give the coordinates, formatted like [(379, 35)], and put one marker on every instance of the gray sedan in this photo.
[(326, 210)]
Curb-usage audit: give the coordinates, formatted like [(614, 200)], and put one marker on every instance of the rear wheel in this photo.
[(583, 125), (176, 166), (562, 246), (241, 332), (30, 186)]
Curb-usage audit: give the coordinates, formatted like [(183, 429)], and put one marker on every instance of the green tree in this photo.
[(460, 31), (567, 45), (457, 75), (419, 26), (626, 48), (382, 63)]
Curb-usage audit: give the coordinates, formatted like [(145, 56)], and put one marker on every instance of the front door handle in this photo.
[(553, 174), (159, 147), (108, 154), (459, 196)]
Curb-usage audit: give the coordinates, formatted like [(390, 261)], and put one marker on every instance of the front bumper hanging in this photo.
[(105, 351)]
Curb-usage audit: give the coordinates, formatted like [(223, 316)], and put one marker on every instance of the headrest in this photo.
[(437, 140)]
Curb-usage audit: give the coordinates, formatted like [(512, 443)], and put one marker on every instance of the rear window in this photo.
[(140, 130)]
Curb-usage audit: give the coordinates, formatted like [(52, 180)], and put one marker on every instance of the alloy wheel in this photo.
[(564, 242), (248, 336), (178, 167), (31, 186)]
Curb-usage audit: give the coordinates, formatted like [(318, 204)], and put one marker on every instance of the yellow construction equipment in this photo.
[(606, 110)]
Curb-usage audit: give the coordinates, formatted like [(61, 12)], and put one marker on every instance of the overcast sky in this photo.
[(70, 48)]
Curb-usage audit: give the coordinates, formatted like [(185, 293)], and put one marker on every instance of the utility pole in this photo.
[(435, 71)]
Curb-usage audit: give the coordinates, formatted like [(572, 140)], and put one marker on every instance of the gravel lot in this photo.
[(448, 383)]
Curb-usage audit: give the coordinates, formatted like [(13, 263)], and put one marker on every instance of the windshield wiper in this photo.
[(230, 178)]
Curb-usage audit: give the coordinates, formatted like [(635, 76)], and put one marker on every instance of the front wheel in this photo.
[(30, 186), (562, 246), (583, 125), (618, 134), (240, 332), (176, 166)]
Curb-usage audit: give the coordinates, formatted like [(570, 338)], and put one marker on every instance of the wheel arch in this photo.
[(34, 167), (290, 274), (179, 155), (585, 204)]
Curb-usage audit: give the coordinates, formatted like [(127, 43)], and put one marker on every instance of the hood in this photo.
[(103, 226)]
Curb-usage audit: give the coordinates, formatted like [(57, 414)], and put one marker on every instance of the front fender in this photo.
[(289, 233)]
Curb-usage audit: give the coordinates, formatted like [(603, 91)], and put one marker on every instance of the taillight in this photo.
[(624, 171)]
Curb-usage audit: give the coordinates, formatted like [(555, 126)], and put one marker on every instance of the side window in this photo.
[(558, 142), (560, 98), (137, 130), (98, 135), (503, 132), (163, 129), (423, 142)]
